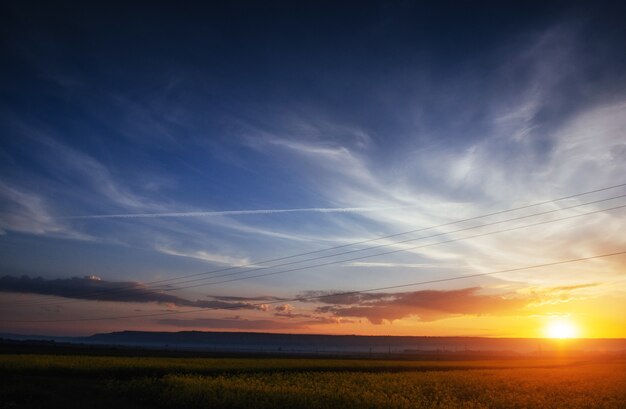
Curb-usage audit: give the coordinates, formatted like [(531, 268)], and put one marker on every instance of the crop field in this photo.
[(80, 381)]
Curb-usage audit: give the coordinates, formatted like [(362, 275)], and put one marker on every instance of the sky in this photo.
[(255, 167)]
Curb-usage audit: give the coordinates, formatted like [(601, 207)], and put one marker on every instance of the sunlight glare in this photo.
[(561, 328)]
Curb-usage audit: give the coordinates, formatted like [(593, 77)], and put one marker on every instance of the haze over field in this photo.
[(314, 168)]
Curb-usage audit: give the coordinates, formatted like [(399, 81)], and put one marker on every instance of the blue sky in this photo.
[(147, 142)]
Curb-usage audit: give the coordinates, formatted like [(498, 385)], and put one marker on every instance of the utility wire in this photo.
[(142, 290), (335, 262), (398, 242), (334, 294), (253, 264), (402, 250)]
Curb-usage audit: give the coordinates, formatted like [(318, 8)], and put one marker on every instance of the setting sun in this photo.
[(562, 328)]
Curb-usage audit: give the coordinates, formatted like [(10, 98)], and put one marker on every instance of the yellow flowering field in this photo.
[(161, 382)]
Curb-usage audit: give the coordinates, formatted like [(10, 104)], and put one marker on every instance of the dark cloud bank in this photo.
[(95, 289), (427, 305)]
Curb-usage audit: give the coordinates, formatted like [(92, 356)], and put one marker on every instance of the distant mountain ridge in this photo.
[(314, 343), (344, 343)]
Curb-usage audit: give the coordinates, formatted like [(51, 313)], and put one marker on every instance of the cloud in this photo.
[(247, 324), (246, 299), (574, 287), (216, 304), (428, 305), (285, 308), (315, 317), (96, 289), (73, 163), (559, 294), (233, 212), (26, 212), (395, 265), (231, 323), (329, 297), (206, 256), (536, 141), (527, 123)]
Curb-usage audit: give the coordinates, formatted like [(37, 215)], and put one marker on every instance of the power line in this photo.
[(335, 294), (135, 291), (253, 264), (404, 241), (364, 257), (402, 250)]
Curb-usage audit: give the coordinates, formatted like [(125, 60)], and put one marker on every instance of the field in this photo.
[(81, 381)]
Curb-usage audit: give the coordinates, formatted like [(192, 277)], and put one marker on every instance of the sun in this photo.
[(561, 328)]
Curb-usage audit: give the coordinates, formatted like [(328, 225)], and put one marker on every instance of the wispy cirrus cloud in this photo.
[(535, 142), (206, 256), (233, 212), (27, 212), (72, 163), (374, 264), (411, 139)]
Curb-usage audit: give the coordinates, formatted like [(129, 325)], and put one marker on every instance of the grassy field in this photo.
[(81, 381)]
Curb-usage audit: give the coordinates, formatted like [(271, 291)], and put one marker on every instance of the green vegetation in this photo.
[(38, 381)]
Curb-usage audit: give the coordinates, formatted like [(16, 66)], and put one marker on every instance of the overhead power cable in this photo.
[(335, 262), (254, 264), (406, 241), (332, 294), (400, 250)]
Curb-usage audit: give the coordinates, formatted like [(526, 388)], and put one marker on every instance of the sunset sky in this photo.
[(142, 144)]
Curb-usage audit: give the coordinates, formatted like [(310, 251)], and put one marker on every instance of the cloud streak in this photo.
[(208, 257), (235, 212), (245, 324), (202, 163), (26, 212)]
